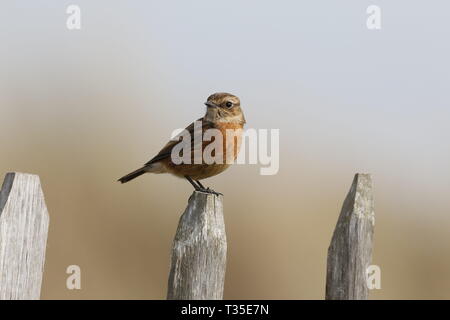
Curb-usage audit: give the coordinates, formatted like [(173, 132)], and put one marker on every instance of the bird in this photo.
[(223, 114)]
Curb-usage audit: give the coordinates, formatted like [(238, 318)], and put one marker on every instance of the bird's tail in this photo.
[(133, 175)]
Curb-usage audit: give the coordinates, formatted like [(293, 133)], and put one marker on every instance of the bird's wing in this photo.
[(167, 150)]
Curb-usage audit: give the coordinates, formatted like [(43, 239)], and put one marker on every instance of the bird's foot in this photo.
[(210, 191)]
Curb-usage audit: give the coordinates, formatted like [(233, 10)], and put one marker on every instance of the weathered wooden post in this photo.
[(23, 236), (199, 251), (350, 251)]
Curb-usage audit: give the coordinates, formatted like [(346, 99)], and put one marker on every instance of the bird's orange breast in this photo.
[(231, 135)]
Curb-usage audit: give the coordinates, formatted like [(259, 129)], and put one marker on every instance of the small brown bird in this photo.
[(224, 115)]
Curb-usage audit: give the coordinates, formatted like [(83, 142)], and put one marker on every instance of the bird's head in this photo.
[(224, 107)]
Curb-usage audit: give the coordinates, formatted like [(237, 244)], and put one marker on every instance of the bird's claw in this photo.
[(210, 191)]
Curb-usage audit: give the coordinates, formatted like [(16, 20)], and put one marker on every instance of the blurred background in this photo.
[(83, 107)]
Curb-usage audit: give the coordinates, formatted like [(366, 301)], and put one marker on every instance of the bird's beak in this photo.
[(210, 105)]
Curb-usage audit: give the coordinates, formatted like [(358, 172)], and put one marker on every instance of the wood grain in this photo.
[(23, 236), (350, 251), (199, 251)]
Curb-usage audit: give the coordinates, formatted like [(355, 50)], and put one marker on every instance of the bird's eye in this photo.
[(229, 104)]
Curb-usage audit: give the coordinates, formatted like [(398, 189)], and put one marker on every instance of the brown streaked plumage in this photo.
[(223, 113)]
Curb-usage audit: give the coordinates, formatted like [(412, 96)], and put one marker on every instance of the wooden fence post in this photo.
[(23, 236), (350, 251), (199, 251)]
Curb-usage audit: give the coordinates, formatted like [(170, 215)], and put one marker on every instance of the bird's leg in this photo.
[(196, 187), (199, 187), (200, 184), (209, 190)]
